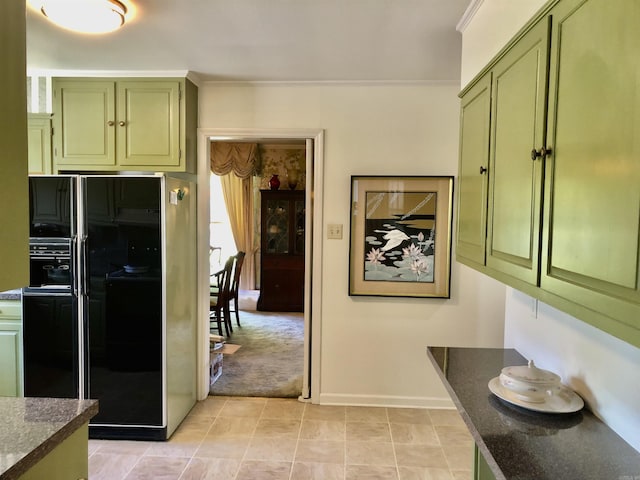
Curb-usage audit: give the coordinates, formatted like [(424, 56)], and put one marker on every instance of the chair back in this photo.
[(237, 270), (224, 279)]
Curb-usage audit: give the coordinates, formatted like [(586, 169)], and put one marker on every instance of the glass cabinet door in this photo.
[(299, 212), (277, 227)]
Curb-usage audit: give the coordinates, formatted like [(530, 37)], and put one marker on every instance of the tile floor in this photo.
[(241, 438)]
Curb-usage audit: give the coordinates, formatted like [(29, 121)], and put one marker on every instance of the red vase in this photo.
[(274, 183)]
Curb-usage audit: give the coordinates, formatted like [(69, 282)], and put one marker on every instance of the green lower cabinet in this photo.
[(68, 461), (10, 349), (481, 470)]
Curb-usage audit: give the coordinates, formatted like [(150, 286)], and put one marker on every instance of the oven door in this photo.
[(50, 338), (50, 271)]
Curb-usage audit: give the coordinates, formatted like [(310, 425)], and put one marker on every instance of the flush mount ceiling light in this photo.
[(85, 16)]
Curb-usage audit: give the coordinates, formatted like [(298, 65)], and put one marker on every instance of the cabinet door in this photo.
[(515, 180), (39, 146), (481, 467), (592, 196), (475, 118), (84, 128), (148, 123), (10, 357)]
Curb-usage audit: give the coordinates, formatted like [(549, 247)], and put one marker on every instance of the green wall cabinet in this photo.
[(475, 129), (10, 348), (563, 206), (124, 124), (39, 143)]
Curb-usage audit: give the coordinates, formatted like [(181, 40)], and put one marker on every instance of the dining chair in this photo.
[(235, 285), (219, 299)]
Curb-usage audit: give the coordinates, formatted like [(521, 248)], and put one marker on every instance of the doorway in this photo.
[(314, 161)]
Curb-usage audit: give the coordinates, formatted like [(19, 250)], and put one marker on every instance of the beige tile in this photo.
[(415, 455), (180, 445), (462, 475), (459, 458), (94, 446), (209, 407), (283, 408), (445, 417), (271, 448), (233, 427), (199, 424), (324, 412), (367, 414), (368, 432), (252, 470), (370, 472), (320, 451), (370, 453), (424, 473), (124, 447), (409, 415), (157, 468), (105, 466), (317, 471), (211, 469), (414, 433), (223, 447), (454, 435), (323, 430), (276, 427), (243, 407)]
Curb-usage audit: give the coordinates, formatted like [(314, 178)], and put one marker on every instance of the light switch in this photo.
[(334, 231)]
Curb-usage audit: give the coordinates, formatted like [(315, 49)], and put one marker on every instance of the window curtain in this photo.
[(236, 163)]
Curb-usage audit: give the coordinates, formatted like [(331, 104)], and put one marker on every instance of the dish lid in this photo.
[(530, 374)]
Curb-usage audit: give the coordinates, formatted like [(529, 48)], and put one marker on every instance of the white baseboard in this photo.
[(385, 401)]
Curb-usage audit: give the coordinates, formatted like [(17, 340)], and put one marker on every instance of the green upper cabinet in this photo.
[(591, 242), (472, 172), (124, 124), (563, 206), (39, 138), (515, 175)]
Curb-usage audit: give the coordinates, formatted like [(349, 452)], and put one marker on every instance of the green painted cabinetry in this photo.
[(472, 173), (68, 461), (481, 470), (591, 236), (124, 124), (39, 146), (563, 205), (10, 348)]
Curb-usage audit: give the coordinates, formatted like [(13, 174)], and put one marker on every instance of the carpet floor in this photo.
[(271, 358)]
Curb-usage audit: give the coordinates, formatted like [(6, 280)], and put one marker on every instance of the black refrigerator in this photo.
[(93, 319)]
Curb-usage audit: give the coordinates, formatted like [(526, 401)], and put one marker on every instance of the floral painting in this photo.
[(400, 236)]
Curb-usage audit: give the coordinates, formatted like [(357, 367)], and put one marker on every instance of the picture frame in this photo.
[(400, 236)]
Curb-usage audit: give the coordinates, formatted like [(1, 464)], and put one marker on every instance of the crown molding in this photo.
[(468, 15)]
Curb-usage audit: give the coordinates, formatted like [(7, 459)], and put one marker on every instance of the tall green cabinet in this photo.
[(563, 206)]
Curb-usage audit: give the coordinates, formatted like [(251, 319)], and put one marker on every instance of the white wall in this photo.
[(602, 369), (373, 348)]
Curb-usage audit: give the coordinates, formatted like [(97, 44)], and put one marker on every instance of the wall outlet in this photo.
[(334, 231)]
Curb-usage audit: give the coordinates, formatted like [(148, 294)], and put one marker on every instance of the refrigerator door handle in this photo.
[(75, 278), (84, 261)]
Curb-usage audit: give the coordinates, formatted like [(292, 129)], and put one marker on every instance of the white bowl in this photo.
[(529, 383)]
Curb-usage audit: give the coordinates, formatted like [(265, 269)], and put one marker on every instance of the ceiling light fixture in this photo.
[(84, 16)]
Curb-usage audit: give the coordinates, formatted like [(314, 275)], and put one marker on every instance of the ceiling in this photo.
[(265, 40)]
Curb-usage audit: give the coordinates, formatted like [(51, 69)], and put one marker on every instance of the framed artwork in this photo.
[(400, 236)]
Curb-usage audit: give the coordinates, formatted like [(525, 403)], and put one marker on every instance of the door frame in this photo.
[(313, 247)]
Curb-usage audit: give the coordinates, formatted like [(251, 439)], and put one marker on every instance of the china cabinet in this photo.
[(282, 251), (108, 124)]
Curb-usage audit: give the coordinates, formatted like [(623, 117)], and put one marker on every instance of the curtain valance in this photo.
[(243, 159)]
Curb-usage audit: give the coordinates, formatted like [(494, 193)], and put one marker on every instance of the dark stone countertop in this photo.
[(33, 427), (519, 444), (11, 295)]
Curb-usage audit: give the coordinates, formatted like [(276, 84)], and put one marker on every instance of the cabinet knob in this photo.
[(121, 123), (543, 152), (483, 170), (110, 123)]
